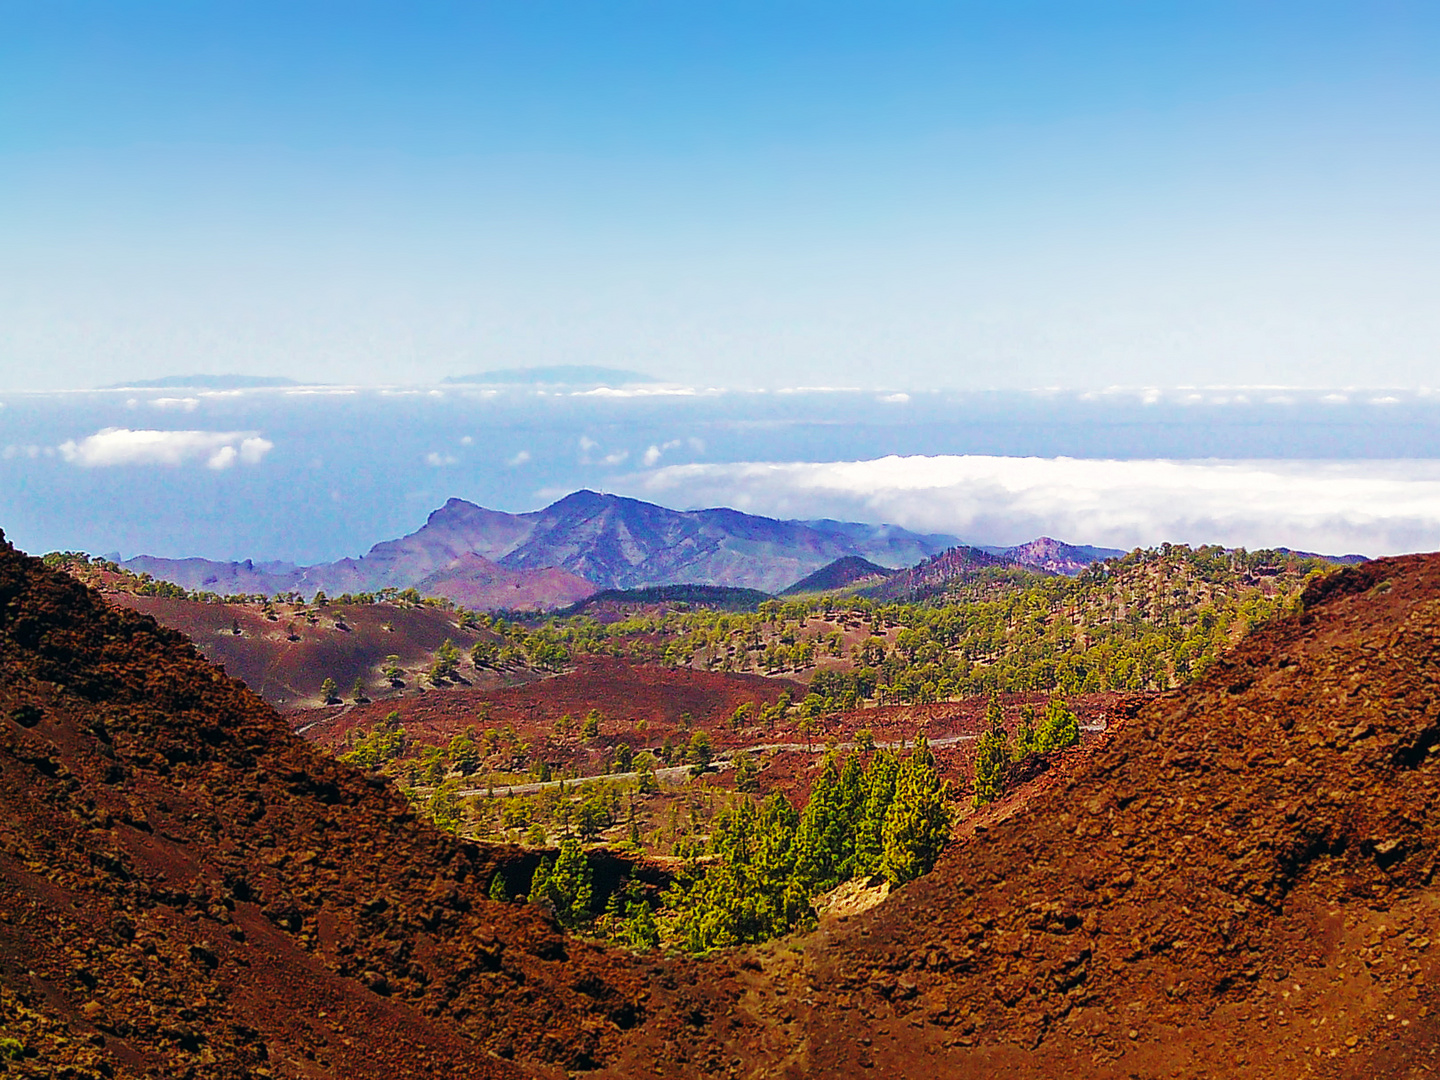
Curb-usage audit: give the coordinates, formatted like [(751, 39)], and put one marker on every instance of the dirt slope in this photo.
[(286, 661), (475, 582), (1241, 882), (188, 891), (622, 691), (1238, 881)]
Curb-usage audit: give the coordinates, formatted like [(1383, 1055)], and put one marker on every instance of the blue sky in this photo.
[(897, 195)]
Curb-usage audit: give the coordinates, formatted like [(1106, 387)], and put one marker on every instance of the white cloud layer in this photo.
[(123, 446), (1370, 507)]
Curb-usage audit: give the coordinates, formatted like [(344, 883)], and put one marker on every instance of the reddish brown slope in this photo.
[(287, 673), (1240, 883), (622, 691), (186, 889)]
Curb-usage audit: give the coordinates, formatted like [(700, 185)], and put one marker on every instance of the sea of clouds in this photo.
[(315, 473), (1370, 507)]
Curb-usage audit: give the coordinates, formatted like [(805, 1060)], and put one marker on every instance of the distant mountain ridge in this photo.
[(1054, 556), (609, 541), (933, 574)]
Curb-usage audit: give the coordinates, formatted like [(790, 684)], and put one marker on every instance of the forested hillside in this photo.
[(1149, 620)]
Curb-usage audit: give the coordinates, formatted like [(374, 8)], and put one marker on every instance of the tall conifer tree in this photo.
[(917, 825), (879, 793)]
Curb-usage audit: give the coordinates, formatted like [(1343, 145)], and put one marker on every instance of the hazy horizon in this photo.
[(310, 474)]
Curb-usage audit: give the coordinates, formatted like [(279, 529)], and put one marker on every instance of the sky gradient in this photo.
[(904, 196)]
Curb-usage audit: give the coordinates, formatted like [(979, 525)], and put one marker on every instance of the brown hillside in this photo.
[(474, 581), (622, 691), (186, 890), (1239, 883), (346, 642)]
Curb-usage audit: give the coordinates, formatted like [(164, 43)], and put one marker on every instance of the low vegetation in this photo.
[(748, 865)]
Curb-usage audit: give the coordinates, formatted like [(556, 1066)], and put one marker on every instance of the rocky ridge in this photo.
[(609, 541)]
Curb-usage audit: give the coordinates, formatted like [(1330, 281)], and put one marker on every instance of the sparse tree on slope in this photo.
[(917, 825), (1026, 739), (1059, 729), (992, 760), (747, 773), (447, 662), (445, 807)]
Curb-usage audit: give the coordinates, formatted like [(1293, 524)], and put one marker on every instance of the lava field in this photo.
[(1237, 880)]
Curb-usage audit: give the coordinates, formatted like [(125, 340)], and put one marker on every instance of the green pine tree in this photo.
[(568, 885), (747, 774), (1026, 739), (880, 779), (851, 792), (992, 763), (445, 807), (540, 880), (917, 825), (1059, 729), (825, 840), (463, 753), (640, 928), (645, 782), (498, 892)]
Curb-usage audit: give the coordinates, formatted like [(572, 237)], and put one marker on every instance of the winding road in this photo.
[(725, 760)]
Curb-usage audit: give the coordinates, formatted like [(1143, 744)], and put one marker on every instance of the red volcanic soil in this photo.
[(347, 642), (623, 692), (1237, 880), (187, 890)]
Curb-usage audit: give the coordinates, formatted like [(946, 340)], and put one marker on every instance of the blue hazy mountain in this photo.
[(610, 541)]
